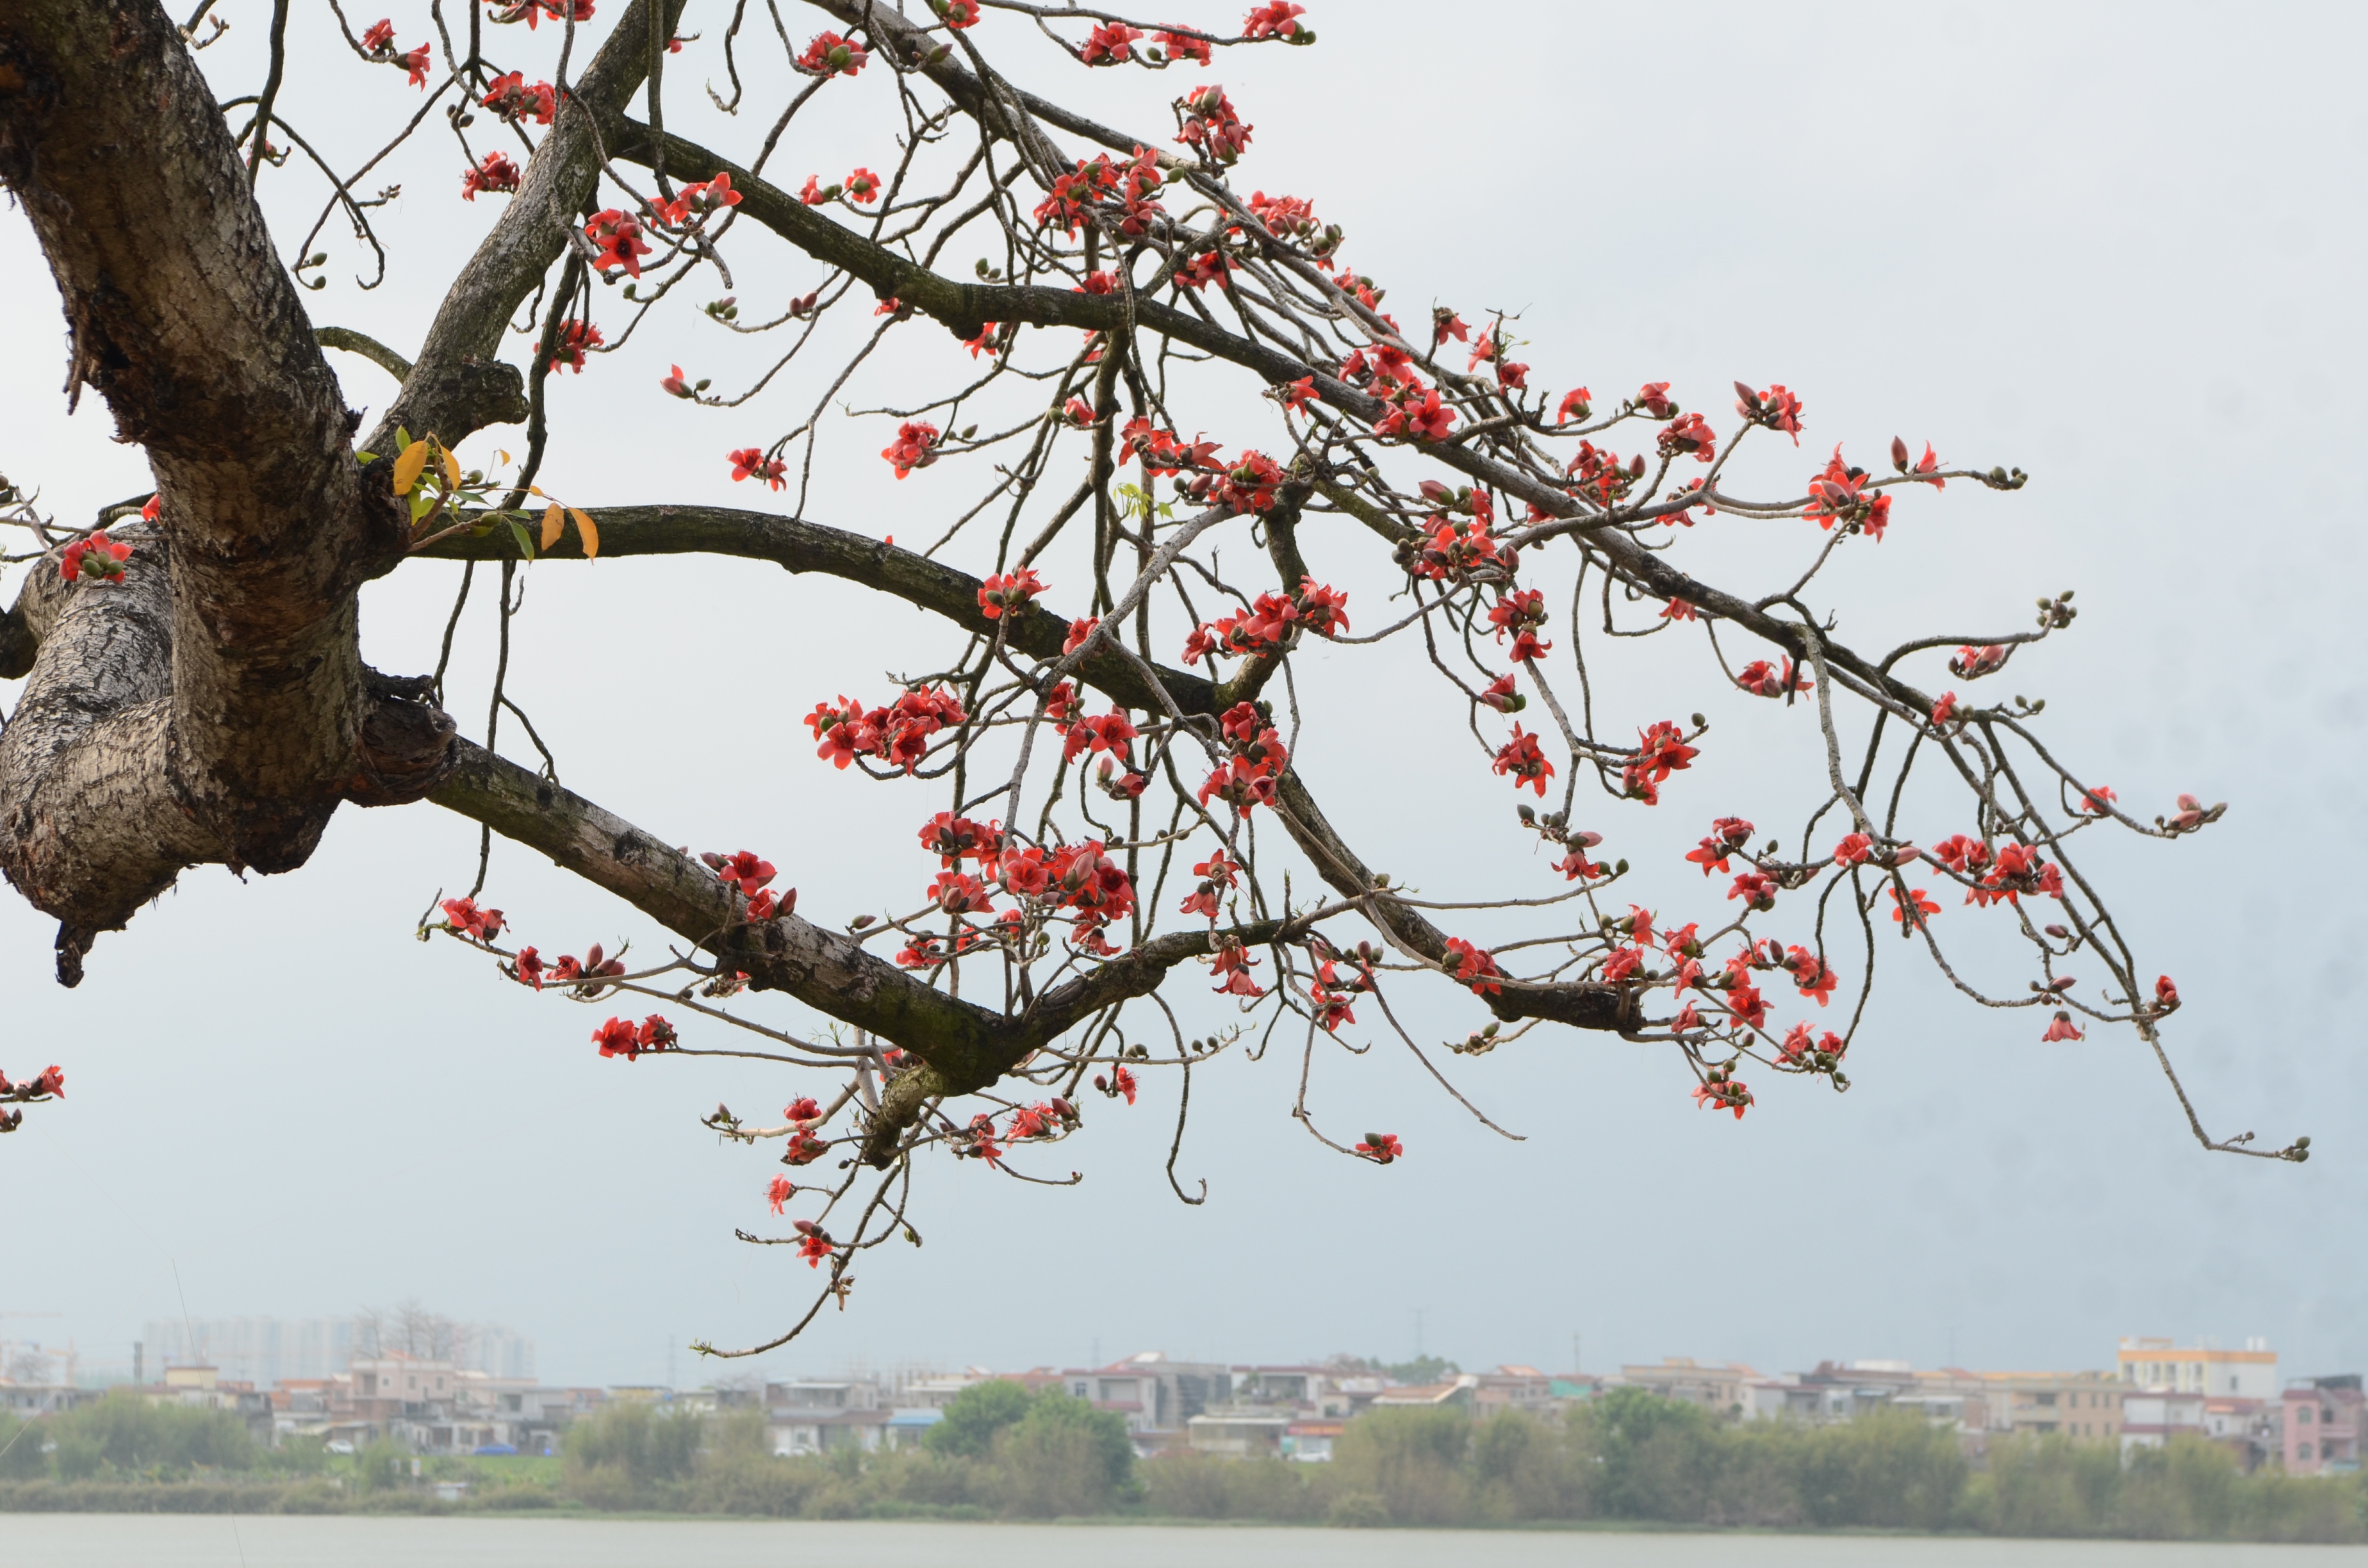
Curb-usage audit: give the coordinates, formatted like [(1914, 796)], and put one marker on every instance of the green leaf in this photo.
[(525, 540), (366, 457), (402, 436)]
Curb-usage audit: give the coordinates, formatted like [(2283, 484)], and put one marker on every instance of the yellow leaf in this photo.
[(589, 530), (408, 467), (551, 526), (534, 489), (451, 466), (502, 457)]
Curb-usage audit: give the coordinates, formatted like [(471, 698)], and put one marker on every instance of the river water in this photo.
[(116, 1541)]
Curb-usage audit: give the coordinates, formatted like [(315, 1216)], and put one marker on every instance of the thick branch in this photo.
[(180, 313), (800, 546), (459, 385)]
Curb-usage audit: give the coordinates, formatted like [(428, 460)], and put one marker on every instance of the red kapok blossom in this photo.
[(1110, 44), (750, 462), (831, 55), (745, 870), (513, 98), (465, 919), (1274, 20), (496, 174), (779, 1192), (569, 344), (1008, 591), (1382, 1148), (1522, 758), (616, 237), (2060, 1029), (95, 556), (912, 448)]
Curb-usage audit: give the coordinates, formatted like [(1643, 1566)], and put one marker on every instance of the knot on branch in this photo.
[(902, 1101), (405, 749)]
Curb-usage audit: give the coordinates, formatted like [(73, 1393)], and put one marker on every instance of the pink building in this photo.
[(2323, 1423)]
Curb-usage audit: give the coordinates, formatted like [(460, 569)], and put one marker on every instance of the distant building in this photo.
[(816, 1415), (2322, 1420), (1157, 1397), (2249, 1373), (2088, 1405), (1715, 1385), (266, 1351)]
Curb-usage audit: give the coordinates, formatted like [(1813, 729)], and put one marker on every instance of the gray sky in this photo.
[(2116, 246)]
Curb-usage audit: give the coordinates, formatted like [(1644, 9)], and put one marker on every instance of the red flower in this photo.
[(2097, 799), (1230, 962), (1522, 758), (1249, 484), (1475, 967), (764, 906), (1184, 46), (673, 384), (831, 55), (744, 871), (1110, 45), (912, 448), (1972, 663), (2062, 1028), (495, 174), (1211, 125), (1006, 591), (1660, 752), (1928, 470), (1654, 399), (862, 186), (1775, 408), (815, 1244), (2166, 995), (617, 237), (1690, 434), (779, 1192), (1763, 679), (379, 35), (694, 202), (1418, 413), (463, 919), (568, 345), (1743, 1000), (802, 1108), (618, 1037), (95, 556), (1381, 1147), (512, 99), (1853, 850), (1923, 906), (1944, 709), (416, 63), (528, 968), (1722, 1093), (953, 839), (958, 13), (1574, 405), (1445, 324), (804, 1149), (1755, 890), (1274, 20), (750, 462), (1120, 1082), (1961, 855), (1811, 974)]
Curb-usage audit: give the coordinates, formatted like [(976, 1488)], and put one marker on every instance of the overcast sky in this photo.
[(2116, 246)]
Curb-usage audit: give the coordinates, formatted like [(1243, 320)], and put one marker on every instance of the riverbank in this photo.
[(283, 1541)]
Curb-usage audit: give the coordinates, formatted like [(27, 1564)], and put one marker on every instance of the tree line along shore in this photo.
[(1004, 1453)]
